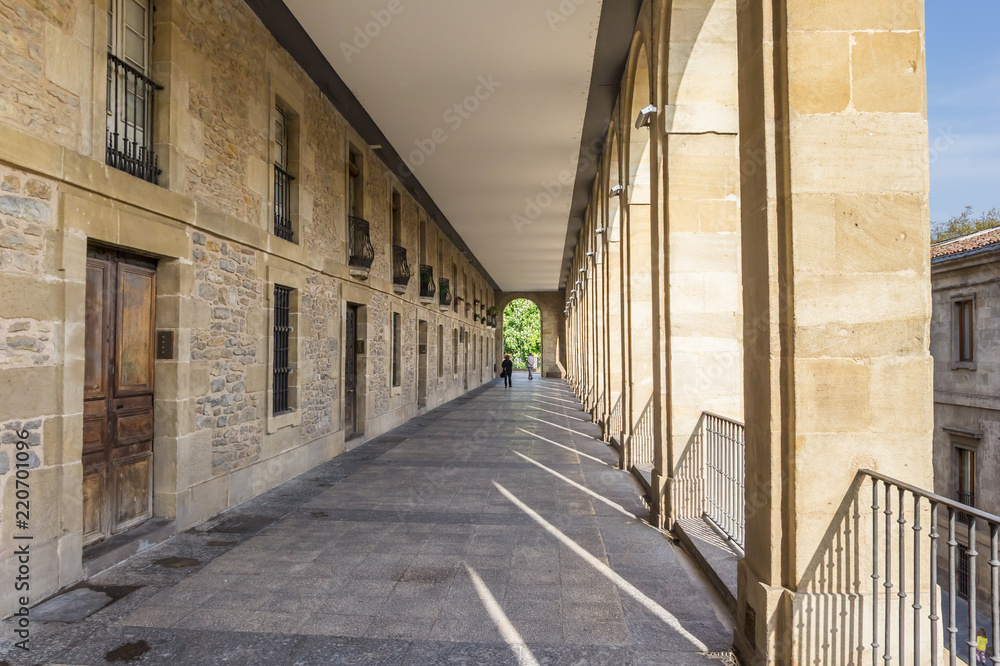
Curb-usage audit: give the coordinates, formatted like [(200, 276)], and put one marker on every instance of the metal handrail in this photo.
[(958, 556), (642, 440), (724, 445)]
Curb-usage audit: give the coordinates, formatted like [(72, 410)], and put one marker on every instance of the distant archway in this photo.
[(522, 331)]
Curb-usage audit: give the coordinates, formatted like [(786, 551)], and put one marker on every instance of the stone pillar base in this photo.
[(762, 634)]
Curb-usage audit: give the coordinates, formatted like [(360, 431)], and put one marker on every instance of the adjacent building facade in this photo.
[(210, 282), (965, 343)]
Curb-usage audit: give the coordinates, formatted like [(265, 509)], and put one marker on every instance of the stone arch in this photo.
[(550, 305)]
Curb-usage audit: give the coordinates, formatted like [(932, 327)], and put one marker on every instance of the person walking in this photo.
[(981, 644), (531, 365), (506, 368)]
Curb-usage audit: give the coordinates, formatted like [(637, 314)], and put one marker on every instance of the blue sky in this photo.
[(963, 105)]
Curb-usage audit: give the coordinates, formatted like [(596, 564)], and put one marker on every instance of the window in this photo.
[(454, 351), (282, 176), (396, 349), (129, 131), (964, 333), (966, 481), (282, 345), (440, 350), (355, 184)]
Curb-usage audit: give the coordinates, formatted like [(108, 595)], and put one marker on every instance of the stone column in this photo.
[(836, 293)]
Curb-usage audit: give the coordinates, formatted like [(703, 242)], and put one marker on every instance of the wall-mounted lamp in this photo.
[(616, 190), (583, 270), (590, 253), (645, 117), (599, 230)]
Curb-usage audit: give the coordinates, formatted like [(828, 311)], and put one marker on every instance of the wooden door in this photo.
[(118, 393), (421, 363), (351, 372)]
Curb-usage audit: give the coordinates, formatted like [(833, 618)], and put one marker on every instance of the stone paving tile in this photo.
[(372, 558)]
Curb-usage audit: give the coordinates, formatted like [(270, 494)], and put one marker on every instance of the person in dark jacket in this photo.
[(505, 370)]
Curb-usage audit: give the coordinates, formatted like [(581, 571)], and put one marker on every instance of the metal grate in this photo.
[(362, 254), (400, 269), (129, 133), (282, 335), (282, 203), (427, 289), (614, 428)]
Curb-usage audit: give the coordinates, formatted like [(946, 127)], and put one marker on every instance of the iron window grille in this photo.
[(129, 132), (427, 289), (445, 293), (282, 203), (282, 336), (361, 251), (396, 352), (400, 268)]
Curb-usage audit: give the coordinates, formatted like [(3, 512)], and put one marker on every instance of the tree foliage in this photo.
[(966, 223), (522, 331)]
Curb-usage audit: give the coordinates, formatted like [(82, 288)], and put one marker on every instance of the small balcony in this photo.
[(282, 204), (129, 132), (400, 270), (360, 252), (444, 295), (427, 289)]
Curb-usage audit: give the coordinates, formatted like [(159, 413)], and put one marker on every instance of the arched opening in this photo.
[(613, 268), (637, 276), (522, 332)]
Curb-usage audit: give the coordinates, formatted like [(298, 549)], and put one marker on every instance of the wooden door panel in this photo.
[(134, 335), (133, 490), (96, 335), (133, 428), (93, 494)]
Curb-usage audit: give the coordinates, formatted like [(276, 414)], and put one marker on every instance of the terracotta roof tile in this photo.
[(976, 241)]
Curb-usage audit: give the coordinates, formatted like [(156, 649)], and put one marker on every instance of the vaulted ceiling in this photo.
[(485, 103)]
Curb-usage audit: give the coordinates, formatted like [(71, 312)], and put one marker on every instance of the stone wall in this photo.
[(209, 224)]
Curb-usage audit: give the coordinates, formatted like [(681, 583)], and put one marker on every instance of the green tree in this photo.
[(963, 224), (522, 331)]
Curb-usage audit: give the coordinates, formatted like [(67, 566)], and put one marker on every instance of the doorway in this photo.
[(118, 393), (421, 363), (351, 372)]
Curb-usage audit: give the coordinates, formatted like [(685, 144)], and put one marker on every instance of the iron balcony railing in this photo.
[(724, 447), (360, 250), (614, 428), (642, 440), (427, 289), (129, 132), (965, 498), (400, 269), (282, 203), (444, 293), (901, 503)]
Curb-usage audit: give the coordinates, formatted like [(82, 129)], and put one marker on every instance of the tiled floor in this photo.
[(493, 530)]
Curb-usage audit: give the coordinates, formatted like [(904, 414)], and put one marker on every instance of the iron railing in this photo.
[(129, 132), (614, 427), (724, 449), (282, 362), (642, 439), (427, 289), (282, 203), (400, 269), (360, 250), (444, 293), (928, 506), (965, 498)]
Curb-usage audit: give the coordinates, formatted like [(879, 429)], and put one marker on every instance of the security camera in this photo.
[(616, 190), (645, 116)]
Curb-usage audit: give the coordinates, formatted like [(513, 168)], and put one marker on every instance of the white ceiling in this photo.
[(429, 56)]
